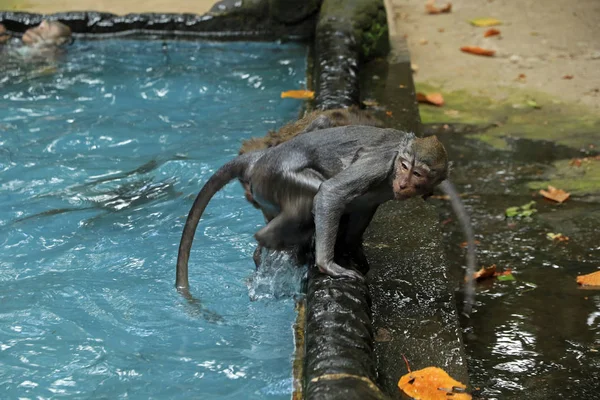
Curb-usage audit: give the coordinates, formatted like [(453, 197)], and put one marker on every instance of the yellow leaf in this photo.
[(432, 383), (485, 22), (298, 94)]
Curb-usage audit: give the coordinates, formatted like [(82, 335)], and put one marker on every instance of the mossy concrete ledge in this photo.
[(348, 33), (413, 309)]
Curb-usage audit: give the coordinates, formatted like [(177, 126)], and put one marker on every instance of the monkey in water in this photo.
[(308, 185)]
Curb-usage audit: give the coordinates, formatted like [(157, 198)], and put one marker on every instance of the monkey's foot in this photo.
[(336, 271)]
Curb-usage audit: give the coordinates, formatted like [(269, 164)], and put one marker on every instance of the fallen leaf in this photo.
[(491, 32), (576, 162), (431, 8), (370, 103), (523, 211), (298, 94), (505, 275), (592, 279), (484, 273), (485, 22), (441, 29), (464, 244), (423, 41), (478, 51), (568, 77), (433, 98), (559, 237), (533, 104), (432, 383), (555, 194), (389, 113)]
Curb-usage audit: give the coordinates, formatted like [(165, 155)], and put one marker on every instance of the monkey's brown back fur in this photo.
[(337, 117)]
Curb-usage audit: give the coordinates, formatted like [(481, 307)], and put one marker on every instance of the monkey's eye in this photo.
[(417, 174), (405, 165)]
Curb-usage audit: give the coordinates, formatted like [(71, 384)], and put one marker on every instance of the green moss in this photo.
[(578, 180), (515, 116)]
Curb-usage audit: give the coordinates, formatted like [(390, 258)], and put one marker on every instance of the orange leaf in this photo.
[(433, 98), (432, 383), (464, 244), (491, 32), (478, 51), (431, 8), (389, 113), (508, 271), (568, 77), (555, 194), (576, 162), (592, 279), (298, 94), (484, 273)]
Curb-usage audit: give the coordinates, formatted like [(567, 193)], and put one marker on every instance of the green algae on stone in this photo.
[(579, 181), (368, 23), (567, 124)]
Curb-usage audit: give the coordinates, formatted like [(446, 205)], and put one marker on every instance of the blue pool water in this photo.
[(101, 155)]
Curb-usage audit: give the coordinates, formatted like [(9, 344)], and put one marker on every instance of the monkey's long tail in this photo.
[(465, 221), (231, 170)]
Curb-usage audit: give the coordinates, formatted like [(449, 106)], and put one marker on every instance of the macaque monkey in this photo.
[(47, 34), (4, 36), (308, 185), (315, 120)]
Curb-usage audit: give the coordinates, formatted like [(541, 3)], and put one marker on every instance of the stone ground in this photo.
[(544, 40)]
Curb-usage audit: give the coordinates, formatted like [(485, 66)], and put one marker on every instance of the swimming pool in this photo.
[(101, 156)]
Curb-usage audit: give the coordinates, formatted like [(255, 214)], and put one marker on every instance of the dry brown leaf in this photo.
[(592, 279), (576, 162), (432, 98), (478, 51), (557, 237), (568, 77), (484, 273), (389, 113), (298, 94), (491, 32), (555, 194), (431, 8), (432, 383)]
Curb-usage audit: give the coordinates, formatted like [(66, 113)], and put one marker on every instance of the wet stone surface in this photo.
[(538, 334)]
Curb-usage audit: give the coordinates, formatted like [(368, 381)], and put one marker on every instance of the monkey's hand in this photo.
[(337, 271)]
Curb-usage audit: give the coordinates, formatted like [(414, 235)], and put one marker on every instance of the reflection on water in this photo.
[(537, 337), (100, 160)]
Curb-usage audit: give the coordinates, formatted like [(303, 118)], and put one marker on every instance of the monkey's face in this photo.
[(47, 33), (411, 179)]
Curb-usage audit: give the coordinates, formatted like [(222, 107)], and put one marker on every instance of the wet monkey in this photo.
[(309, 185), (312, 121)]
